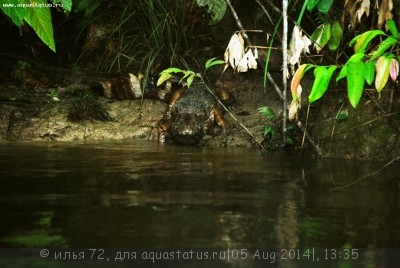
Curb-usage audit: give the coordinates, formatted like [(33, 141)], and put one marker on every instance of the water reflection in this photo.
[(142, 194)]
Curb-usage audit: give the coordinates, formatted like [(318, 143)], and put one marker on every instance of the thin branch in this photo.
[(368, 175), (285, 67)]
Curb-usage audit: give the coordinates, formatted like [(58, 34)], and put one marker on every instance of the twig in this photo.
[(366, 176), (285, 67)]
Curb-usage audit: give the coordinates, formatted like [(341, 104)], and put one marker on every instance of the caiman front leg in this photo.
[(164, 125)]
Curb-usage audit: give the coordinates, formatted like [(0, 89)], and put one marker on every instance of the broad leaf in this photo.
[(362, 41), (355, 82), (387, 43), (39, 18), (16, 14), (324, 5), (336, 36), (216, 8), (342, 74), (321, 36), (391, 25), (322, 78), (369, 70), (311, 4), (163, 77), (356, 57), (382, 73)]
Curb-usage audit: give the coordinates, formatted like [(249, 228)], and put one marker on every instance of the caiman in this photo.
[(191, 113)]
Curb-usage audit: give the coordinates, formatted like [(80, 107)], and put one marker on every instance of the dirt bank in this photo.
[(369, 132)]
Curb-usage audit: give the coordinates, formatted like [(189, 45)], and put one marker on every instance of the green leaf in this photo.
[(336, 36), (190, 80), (311, 4), (322, 78), (356, 57), (265, 110), (387, 43), (362, 41), (369, 70), (65, 4), (16, 14), (172, 70), (342, 115), (391, 25), (324, 5), (267, 130), (355, 82), (342, 74), (216, 8), (322, 35), (212, 62), (163, 77), (39, 18)]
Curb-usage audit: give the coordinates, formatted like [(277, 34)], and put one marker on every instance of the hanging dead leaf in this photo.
[(293, 109), (385, 12), (247, 62), (234, 52), (364, 8), (299, 44)]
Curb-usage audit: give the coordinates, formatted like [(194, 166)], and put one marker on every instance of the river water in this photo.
[(141, 194)]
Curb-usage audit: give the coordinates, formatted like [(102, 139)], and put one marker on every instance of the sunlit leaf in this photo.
[(173, 70), (362, 41), (336, 36), (369, 69), (356, 57), (394, 69), (387, 43), (342, 74), (382, 73), (190, 80), (321, 82), (321, 36), (16, 14), (391, 25), (355, 82), (212, 62), (163, 77), (39, 18)]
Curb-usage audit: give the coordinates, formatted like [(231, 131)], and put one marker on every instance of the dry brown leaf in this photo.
[(385, 12), (234, 52)]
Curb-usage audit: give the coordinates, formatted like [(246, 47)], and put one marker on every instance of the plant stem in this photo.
[(285, 67)]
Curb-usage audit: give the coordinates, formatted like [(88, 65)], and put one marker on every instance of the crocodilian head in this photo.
[(188, 129)]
